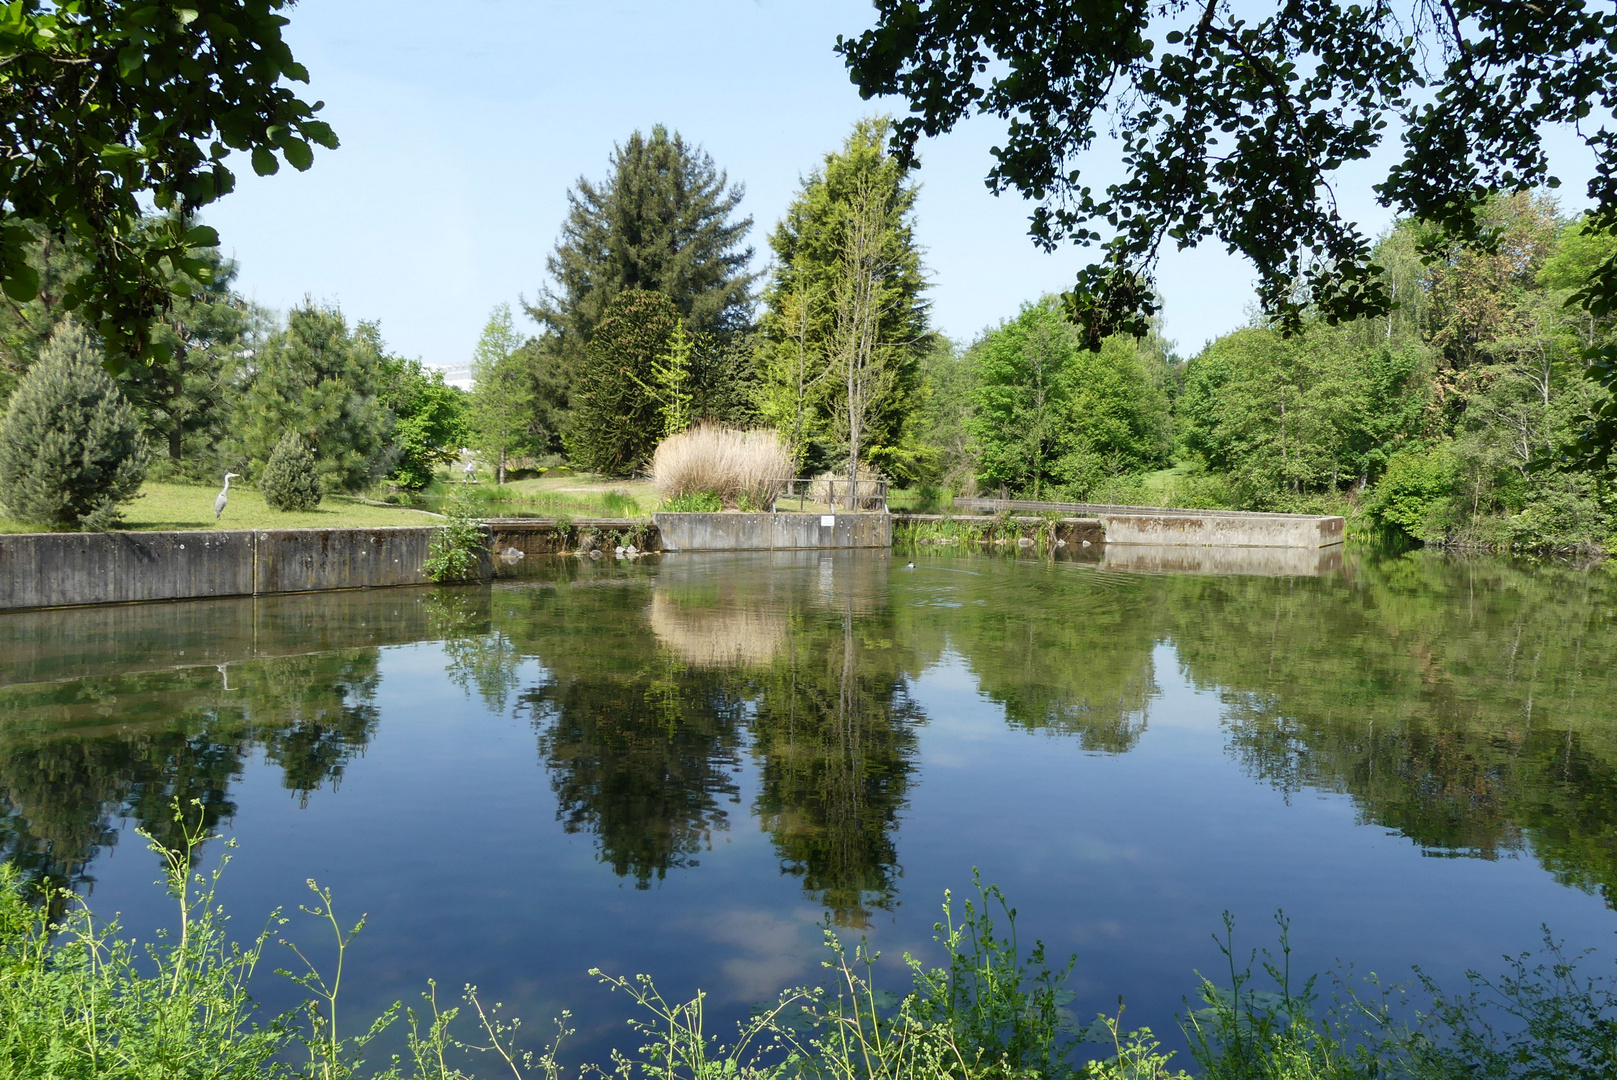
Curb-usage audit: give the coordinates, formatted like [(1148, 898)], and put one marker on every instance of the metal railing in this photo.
[(855, 494)]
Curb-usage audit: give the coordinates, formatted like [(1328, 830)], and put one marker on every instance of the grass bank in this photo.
[(190, 506), (567, 495), (80, 1000)]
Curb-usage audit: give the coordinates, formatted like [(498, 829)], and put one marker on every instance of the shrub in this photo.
[(1412, 492), (70, 447), (457, 548), (733, 464), (290, 480), (697, 502)]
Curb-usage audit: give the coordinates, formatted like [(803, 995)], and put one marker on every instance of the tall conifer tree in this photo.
[(800, 343), (662, 221)]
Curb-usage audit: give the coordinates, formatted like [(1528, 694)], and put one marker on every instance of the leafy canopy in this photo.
[(501, 391), (429, 421), (108, 102), (1048, 413), (1233, 123)]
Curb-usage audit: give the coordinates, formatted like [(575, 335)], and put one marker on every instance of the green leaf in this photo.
[(202, 236), (22, 283), (264, 163), (298, 154)]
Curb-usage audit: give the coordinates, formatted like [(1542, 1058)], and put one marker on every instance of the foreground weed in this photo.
[(679, 1048), (81, 1005)]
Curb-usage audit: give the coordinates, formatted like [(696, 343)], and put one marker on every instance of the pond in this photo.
[(691, 766)]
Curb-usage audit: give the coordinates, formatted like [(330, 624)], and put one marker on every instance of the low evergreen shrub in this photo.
[(70, 446), (290, 480)]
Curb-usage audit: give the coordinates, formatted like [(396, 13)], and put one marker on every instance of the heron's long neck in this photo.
[(227, 485)]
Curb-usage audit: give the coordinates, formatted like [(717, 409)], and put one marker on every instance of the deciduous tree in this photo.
[(110, 102), (857, 188), (1234, 124), (500, 391)]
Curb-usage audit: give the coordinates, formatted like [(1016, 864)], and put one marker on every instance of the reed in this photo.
[(745, 469)]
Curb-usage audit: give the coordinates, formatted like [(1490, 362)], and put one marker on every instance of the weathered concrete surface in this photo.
[(306, 560), (1190, 528), (772, 532), (39, 570), (61, 569), (1253, 561), (1195, 528)]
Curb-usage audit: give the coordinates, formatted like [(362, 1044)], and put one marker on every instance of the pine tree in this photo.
[(662, 221), (803, 356), (70, 446), (320, 379), (290, 479), (618, 420)]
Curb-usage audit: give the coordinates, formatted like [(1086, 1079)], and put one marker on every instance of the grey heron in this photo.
[(224, 496)]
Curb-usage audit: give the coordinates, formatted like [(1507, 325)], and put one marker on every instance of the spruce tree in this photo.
[(618, 419), (71, 448), (662, 221), (290, 479)]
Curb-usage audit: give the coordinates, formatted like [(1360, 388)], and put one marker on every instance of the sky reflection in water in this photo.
[(687, 767)]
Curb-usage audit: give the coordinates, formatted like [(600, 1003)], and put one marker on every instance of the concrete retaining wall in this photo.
[(1192, 528), (69, 569), (772, 532), (1196, 529), (544, 536)]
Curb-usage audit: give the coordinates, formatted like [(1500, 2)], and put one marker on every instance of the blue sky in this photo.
[(464, 125)]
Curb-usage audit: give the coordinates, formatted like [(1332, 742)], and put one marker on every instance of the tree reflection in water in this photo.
[(1471, 705), (77, 755)]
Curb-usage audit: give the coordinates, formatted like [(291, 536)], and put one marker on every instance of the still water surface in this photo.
[(689, 767)]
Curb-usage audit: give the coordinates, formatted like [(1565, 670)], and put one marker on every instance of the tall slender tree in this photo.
[(500, 391), (861, 196)]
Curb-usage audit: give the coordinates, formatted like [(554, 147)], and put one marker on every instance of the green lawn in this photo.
[(190, 506)]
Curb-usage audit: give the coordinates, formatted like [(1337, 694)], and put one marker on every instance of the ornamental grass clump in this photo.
[(743, 469), (70, 446)]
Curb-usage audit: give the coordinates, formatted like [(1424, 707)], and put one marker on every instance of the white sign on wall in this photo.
[(828, 520)]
